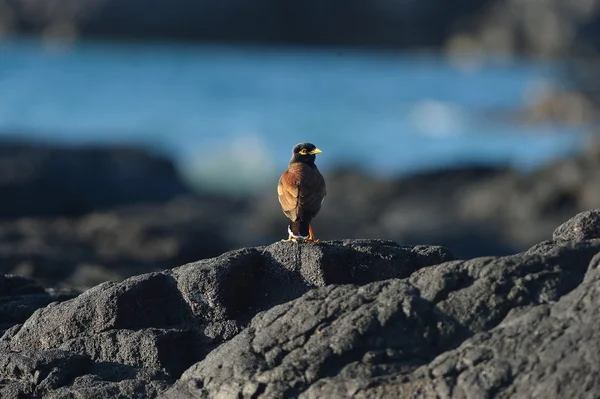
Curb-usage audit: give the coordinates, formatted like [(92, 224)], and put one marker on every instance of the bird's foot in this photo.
[(311, 236)]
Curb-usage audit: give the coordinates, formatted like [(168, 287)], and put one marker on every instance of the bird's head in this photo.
[(304, 152)]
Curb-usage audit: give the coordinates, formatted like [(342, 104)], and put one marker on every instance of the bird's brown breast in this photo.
[(301, 190)]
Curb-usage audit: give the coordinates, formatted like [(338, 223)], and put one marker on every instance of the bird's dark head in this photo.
[(305, 152)]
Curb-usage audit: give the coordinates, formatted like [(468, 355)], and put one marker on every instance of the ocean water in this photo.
[(230, 116)]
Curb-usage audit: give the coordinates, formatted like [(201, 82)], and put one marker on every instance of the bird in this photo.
[(301, 190)]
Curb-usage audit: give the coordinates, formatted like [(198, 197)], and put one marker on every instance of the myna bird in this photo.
[(301, 190)]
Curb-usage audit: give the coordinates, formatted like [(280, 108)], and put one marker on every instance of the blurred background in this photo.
[(137, 136)]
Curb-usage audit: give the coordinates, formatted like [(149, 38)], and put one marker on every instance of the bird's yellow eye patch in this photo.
[(303, 151)]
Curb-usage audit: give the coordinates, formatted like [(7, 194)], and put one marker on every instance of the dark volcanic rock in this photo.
[(38, 371), (150, 328), (374, 340), (500, 26), (352, 318), (480, 292), (528, 207), (551, 351), (298, 343), (93, 387), (353, 261), (20, 297), (584, 226), (373, 23), (44, 180), (112, 245), (536, 28), (55, 225)]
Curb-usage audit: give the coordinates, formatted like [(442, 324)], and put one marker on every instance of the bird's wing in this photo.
[(312, 194), (288, 193)]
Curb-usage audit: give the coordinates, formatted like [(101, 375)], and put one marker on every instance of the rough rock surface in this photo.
[(370, 340), (136, 337), (549, 351), (352, 318), (584, 226), (20, 297)]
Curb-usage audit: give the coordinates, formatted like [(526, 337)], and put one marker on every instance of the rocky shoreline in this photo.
[(351, 318), (400, 300)]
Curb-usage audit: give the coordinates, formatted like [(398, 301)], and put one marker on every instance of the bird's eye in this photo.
[(303, 151)]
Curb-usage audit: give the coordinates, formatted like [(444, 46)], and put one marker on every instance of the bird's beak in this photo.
[(315, 151)]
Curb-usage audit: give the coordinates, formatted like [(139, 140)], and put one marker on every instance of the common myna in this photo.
[(301, 190)]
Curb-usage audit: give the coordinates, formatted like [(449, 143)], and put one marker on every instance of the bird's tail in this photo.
[(299, 229)]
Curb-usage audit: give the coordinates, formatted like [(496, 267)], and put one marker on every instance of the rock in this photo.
[(20, 297), (38, 372), (291, 346), (371, 340), (584, 226), (511, 26), (92, 387), (501, 26), (62, 374), (152, 327), (266, 21), (360, 318), (528, 207), (78, 216), (113, 245), (479, 293), (550, 351), (354, 261), (45, 180)]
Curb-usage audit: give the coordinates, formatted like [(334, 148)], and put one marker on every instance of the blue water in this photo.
[(230, 116)]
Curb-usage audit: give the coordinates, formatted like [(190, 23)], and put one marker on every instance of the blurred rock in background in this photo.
[(547, 28), (46, 180), (376, 23)]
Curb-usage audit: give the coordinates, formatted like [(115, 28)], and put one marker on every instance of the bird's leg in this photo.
[(290, 237), (311, 235)]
